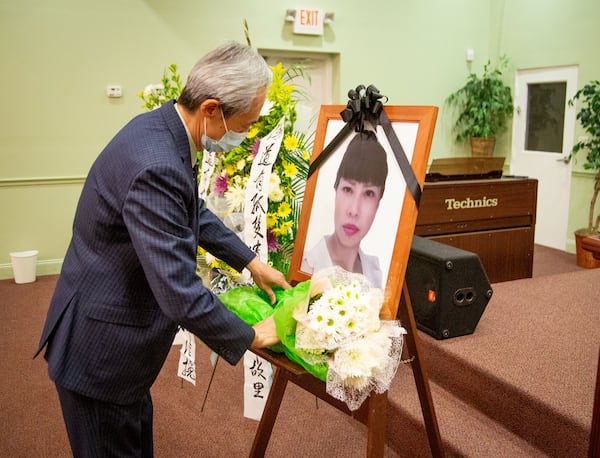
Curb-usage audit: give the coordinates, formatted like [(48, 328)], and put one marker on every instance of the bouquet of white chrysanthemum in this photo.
[(340, 327), (330, 326), (339, 313)]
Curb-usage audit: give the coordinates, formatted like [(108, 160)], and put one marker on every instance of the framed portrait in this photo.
[(374, 216)]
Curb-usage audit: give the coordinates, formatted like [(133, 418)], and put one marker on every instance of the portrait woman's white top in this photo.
[(317, 258)]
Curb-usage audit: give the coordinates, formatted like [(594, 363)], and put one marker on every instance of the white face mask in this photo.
[(227, 142)]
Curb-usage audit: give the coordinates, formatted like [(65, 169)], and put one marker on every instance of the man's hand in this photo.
[(266, 334), (266, 277)]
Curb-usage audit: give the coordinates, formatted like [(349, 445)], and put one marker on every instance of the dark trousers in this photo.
[(99, 429)]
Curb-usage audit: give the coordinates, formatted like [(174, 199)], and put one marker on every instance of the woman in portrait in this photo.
[(359, 186)]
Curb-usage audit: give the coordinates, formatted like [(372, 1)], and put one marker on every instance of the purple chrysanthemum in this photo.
[(255, 146), (221, 184), (272, 242)]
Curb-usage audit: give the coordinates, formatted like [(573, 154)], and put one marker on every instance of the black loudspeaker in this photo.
[(448, 288)]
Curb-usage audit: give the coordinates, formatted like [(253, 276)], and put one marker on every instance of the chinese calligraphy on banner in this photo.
[(257, 192), (256, 369), (258, 375), (187, 358)]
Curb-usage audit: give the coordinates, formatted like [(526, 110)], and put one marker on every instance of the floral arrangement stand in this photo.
[(371, 413)]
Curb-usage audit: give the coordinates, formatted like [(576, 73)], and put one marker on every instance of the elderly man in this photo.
[(129, 275)]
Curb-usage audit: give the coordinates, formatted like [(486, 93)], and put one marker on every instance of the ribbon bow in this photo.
[(364, 105)]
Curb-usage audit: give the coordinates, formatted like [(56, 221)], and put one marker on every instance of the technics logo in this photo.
[(484, 202)]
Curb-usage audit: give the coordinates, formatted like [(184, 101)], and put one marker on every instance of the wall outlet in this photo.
[(114, 91)]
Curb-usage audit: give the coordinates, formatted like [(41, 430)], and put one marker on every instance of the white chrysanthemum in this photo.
[(275, 194), (152, 89), (342, 312), (235, 196), (306, 339), (238, 180), (373, 301), (326, 326), (274, 180), (353, 365), (275, 191), (359, 358)]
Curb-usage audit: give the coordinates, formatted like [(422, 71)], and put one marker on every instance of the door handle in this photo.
[(564, 160)]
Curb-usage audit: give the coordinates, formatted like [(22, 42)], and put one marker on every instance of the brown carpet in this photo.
[(550, 261), (531, 364), (521, 385)]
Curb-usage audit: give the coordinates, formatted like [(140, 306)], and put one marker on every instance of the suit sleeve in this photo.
[(159, 213), (227, 246)]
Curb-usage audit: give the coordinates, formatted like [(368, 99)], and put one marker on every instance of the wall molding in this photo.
[(41, 181), (58, 181), (584, 174)]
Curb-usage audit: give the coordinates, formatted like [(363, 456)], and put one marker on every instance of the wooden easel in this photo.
[(373, 411)]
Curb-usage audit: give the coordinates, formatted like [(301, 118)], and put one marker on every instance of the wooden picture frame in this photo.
[(390, 235)]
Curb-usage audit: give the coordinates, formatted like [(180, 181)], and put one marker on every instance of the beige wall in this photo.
[(58, 57)]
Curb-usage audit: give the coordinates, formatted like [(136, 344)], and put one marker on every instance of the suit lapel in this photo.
[(175, 126)]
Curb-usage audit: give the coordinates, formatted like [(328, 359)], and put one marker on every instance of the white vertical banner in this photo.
[(187, 357), (257, 371), (205, 173), (258, 375), (257, 192)]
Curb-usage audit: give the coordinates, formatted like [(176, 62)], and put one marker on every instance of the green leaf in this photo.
[(483, 105)]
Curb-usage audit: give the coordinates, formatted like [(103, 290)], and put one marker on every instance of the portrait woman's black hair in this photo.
[(364, 161)]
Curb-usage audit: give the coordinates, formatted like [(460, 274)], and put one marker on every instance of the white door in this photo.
[(543, 131), (319, 89)]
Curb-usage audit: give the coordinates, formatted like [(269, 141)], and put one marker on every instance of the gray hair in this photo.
[(232, 74)]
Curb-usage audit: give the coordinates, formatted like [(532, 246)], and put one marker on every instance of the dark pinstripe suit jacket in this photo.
[(128, 278)]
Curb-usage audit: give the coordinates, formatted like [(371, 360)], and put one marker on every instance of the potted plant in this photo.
[(484, 105), (588, 116)]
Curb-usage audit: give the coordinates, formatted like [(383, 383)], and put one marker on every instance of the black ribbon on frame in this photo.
[(365, 105)]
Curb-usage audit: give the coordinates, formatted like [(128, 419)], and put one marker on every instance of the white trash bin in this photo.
[(24, 264)]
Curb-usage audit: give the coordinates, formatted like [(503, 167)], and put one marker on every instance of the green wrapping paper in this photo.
[(286, 327), (252, 305), (248, 303)]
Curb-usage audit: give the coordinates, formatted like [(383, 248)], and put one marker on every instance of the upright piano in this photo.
[(484, 213)]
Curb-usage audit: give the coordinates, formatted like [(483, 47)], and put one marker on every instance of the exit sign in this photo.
[(308, 22)]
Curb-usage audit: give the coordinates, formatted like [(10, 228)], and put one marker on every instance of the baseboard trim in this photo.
[(44, 267)]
